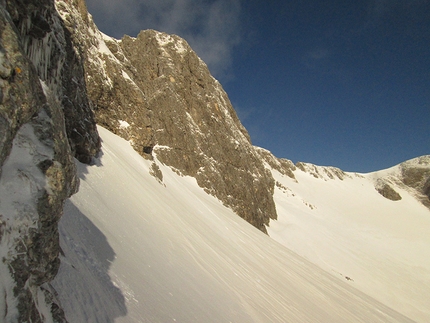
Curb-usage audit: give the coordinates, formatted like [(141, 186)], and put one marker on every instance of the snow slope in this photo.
[(136, 250), (346, 227)]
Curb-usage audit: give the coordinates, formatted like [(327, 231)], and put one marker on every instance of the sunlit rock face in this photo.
[(415, 174), (154, 91), (412, 175), (45, 120), (387, 191), (195, 128)]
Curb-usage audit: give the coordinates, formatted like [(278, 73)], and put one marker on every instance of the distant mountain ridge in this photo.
[(372, 230)]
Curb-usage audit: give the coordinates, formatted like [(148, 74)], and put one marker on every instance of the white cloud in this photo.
[(211, 27)]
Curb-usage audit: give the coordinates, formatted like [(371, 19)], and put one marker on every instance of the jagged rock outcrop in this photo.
[(387, 191), (45, 120), (282, 165), (323, 172), (154, 91), (412, 175), (415, 174)]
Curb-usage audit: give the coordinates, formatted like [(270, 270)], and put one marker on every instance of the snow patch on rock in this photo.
[(123, 124)]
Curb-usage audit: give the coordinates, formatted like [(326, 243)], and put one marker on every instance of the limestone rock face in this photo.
[(47, 44), (415, 174), (119, 103), (195, 128), (45, 120), (155, 91), (387, 191), (412, 175)]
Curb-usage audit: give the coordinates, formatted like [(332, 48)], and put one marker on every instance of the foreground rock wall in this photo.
[(45, 120)]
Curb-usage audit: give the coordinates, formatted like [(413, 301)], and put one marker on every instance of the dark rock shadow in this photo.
[(95, 162), (85, 289)]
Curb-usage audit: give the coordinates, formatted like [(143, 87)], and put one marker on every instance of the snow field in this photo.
[(139, 251), (378, 246)]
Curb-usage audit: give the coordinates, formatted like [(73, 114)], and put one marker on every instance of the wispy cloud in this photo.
[(211, 27), (316, 57)]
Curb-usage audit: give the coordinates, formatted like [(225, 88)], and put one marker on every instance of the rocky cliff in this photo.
[(154, 91), (45, 121)]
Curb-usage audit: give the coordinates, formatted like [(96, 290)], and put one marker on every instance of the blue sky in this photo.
[(339, 83)]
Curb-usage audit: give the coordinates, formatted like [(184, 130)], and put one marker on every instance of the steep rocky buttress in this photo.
[(154, 91)]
